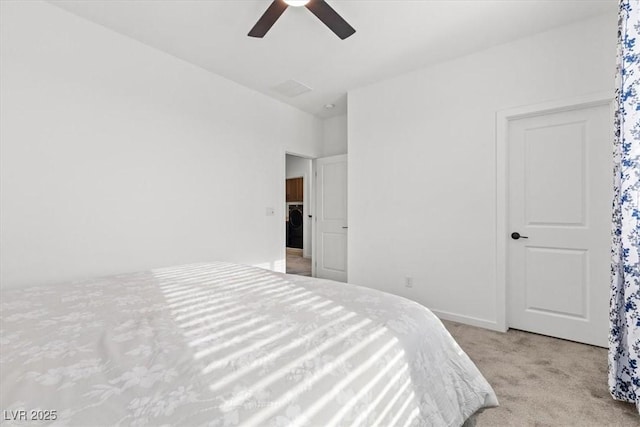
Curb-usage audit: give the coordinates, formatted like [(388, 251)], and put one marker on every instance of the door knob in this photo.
[(516, 236)]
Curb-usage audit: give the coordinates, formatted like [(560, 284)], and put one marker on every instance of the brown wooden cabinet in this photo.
[(294, 190), (299, 193)]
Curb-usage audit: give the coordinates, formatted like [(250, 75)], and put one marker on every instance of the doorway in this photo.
[(298, 218), (316, 207), (556, 234)]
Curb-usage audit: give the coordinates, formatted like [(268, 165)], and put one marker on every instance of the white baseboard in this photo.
[(468, 320)]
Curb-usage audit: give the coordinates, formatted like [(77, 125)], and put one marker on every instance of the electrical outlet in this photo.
[(408, 282)]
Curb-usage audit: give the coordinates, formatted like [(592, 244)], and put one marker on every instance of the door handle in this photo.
[(516, 236), (345, 227)]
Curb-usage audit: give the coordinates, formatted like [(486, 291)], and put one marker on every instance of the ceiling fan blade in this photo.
[(330, 18), (269, 18)]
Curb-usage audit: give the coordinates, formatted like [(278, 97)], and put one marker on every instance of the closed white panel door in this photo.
[(560, 193), (331, 218)]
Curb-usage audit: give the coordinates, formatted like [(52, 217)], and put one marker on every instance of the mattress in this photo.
[(222, 344)]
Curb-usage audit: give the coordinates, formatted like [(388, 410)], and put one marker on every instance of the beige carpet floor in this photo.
[(543, 381), (296, 264)]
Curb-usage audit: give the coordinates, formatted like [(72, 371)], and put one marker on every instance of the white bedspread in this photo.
[(222, 344)]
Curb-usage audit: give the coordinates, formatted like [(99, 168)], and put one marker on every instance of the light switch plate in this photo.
[(271, 212)]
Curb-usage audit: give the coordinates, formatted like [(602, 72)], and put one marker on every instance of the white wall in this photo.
[(422, 168), (116, 157), (300, 167), (335, 136)]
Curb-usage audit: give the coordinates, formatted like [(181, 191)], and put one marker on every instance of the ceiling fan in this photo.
[(320, 8)]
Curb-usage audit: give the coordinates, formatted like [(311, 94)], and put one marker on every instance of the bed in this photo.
[(222, 344)]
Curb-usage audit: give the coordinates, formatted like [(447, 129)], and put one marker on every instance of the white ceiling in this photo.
[(393, 37)]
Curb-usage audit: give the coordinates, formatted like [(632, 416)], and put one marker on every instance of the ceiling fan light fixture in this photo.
[(296, 3), (320, 8)]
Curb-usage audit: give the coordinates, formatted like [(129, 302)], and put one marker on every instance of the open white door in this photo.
[(560, 192), (330, 254)]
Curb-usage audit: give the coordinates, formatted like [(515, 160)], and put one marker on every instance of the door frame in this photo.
[(312, 205), (503, 117)]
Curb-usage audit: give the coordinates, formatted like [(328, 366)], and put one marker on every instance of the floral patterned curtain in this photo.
[(624, 336)]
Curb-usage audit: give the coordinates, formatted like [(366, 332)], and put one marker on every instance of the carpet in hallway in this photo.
[(297, 264)]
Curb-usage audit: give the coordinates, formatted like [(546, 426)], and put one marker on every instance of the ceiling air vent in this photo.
[(291, 88)]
